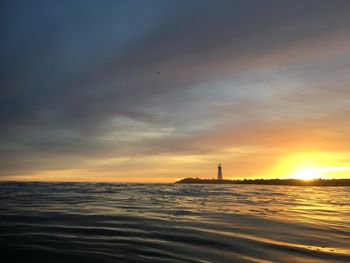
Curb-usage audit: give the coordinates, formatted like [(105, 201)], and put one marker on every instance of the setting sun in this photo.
[(312, 165), (307, 174), (320, 172)]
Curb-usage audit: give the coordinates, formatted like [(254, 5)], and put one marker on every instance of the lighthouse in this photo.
[(219, 172)]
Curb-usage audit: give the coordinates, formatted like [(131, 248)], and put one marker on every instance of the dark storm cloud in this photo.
[(70, 69)]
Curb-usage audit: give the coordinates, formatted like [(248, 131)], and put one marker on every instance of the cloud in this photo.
[(79, 80)]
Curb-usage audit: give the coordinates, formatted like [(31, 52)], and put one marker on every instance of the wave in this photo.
[(74, 222)]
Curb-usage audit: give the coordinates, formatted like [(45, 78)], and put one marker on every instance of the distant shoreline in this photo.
[(291, 182)]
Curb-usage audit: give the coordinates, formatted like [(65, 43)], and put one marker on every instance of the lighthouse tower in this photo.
[(219, 172)]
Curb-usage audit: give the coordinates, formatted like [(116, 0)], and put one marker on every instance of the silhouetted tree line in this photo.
[(297, 182)]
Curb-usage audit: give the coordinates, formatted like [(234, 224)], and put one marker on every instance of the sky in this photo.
[(155, 91)]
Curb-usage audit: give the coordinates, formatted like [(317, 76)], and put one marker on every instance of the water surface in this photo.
[(94, 222)]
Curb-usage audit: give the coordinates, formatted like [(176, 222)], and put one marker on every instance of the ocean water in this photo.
[(94, 222)]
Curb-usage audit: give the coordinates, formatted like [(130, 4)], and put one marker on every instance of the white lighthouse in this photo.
[(219, 172)]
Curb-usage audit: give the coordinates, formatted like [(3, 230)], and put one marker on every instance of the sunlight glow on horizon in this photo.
[(307, 174), (173, 167), (315, 173)]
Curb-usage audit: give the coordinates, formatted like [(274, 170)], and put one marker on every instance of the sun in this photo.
[(307, 174)]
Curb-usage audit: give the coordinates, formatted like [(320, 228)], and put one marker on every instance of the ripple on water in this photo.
[(71, 222)]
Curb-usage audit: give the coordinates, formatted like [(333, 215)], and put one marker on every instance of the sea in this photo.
[(103, 222)]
